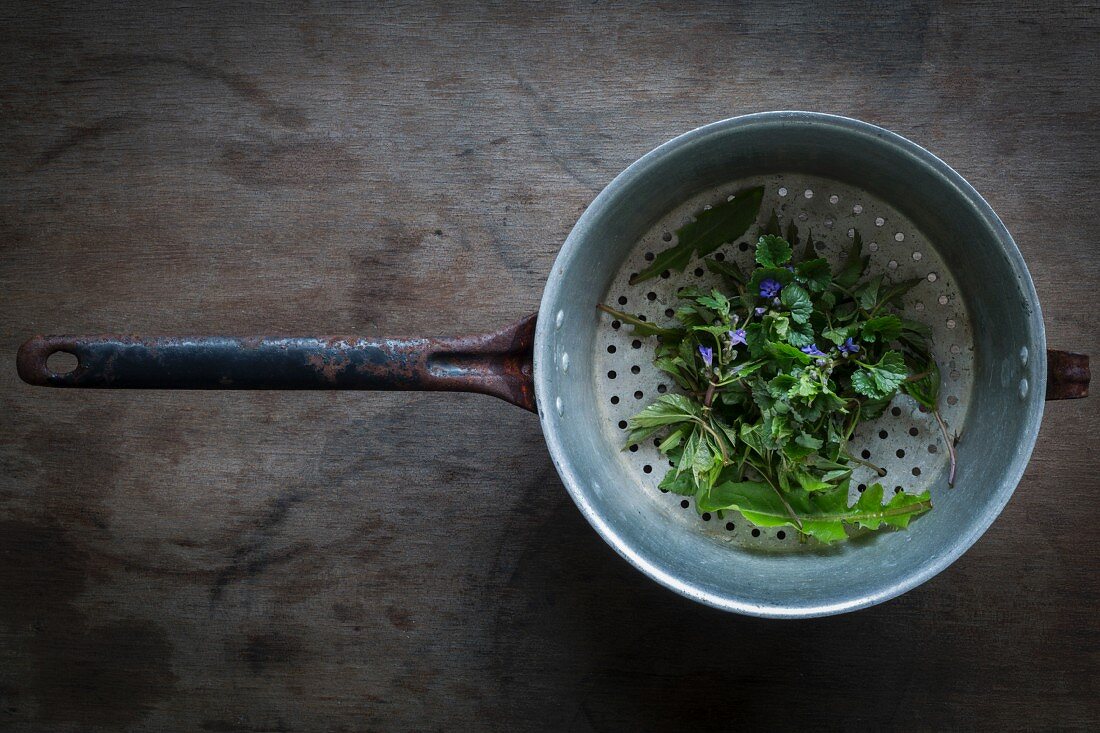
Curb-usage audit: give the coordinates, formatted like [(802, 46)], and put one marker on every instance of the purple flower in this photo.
[(708, 355), (769, 288), (849, 347), (759, 310), (737, 337), (812, 350)]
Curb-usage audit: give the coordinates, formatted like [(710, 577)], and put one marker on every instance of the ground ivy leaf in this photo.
[(880, 380), (798, 301), (712, 227), (772, 251), (881, 328), (786, 354)]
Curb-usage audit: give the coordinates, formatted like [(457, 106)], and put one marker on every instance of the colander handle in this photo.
[(497, 364), (1067, 375)]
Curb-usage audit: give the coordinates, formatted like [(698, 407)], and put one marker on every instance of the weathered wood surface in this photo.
[(275, 562)]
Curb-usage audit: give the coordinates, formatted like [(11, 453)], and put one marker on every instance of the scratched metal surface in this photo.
[(349, 561)]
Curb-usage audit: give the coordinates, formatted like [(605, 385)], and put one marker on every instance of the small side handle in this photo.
[(1067, 375)]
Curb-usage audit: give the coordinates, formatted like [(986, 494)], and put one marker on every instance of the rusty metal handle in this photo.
[(1067, 375), (498, 364)]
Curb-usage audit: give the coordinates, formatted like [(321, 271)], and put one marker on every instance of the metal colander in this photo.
[(905, 441), (829, 175)]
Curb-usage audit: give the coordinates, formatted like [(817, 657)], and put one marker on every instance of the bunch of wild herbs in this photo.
[(776, 373)]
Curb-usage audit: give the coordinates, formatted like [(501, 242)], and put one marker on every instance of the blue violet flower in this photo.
[(812, 350), (708, 355), (769, 288)]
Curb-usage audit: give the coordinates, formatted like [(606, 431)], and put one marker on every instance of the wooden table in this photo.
[(340, 561)]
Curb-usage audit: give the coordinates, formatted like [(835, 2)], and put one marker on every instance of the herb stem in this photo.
[(877, 469), (950, 447)]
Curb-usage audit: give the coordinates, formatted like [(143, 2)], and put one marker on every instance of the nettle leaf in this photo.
[(713, 227), (669, 409), (881, 328), (728, 270), (891, 293), (798, 301), (772, 251), (678, 483), (814, 274), (867, 293), (772, 228), (880, 380), (854, 264), (792, 234)]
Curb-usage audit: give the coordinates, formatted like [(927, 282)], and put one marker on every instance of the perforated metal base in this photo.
[(904, 441)]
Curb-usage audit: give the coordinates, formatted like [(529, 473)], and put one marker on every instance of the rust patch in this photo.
[(1068, 375)]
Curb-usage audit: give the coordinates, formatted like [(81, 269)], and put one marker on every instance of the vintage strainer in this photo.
[(828, 174)]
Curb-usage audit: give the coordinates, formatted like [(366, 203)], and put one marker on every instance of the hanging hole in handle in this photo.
[(61, 363)]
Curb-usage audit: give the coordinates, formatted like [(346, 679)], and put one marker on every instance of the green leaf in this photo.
[(870, 409), (672, 441), (640, 327), (814, 274), (678, 483), (780, 274), (867, 293), (854, 264), (926, 389), (798, 301), (809, 482), (772, 227), (712, 228), (809, 441), (801, 334), (751, 436), (720, 304), (891, 292), (822, 514), (781, 384), (880, 380), (869, 511), (787, 354), (728, 270), (772, 251), (883, 329), (838, 335), (669, 409)]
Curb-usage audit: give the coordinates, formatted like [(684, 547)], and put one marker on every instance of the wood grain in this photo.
[(345, 562)]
